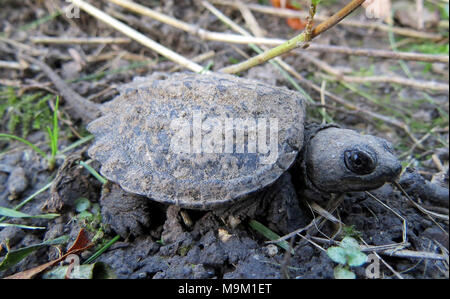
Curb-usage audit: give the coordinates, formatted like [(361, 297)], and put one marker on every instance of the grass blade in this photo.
[(101, 250), (20, 226), (34, 147), (266, 232), (93, 172), (16, 214)]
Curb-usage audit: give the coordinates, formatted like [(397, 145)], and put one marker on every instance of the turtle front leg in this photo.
[(127, 214), (277, 206)]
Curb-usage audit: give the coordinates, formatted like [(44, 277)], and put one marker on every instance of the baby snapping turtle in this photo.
[(201, 141)]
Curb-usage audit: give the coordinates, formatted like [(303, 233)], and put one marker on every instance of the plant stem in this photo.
[(294, 42), (101, 250)]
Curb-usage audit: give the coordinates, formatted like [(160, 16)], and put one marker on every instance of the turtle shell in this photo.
[(198, 141)]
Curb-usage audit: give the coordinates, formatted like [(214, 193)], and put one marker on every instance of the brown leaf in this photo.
[(81, 243)]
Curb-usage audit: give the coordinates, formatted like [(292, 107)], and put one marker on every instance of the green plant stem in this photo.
[(295, 42), (101, 250), (266, 232), (277, 63), (53, 136), (93, 172), (76, 144)]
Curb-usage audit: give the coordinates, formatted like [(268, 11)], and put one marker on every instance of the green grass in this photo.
[(105, 247), (16, 214), (22, 114), (53, 133), (266, 232), (427, 48), (93, 172)]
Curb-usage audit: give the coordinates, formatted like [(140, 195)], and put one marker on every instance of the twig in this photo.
[(79, 40), (80, 107), (292, 43), (380, 53), (13, 65), (139, 37), (358, 110), (277, 62), (419, 84), (405, 227), (258, 39), (316, 222), (289, 13), (193, 29), (23, 47), (199, 58), (396, 250), (413, 254), (419, 207)]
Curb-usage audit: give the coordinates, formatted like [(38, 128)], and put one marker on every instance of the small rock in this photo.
[(224, 235), (271, 250), (17, 182)]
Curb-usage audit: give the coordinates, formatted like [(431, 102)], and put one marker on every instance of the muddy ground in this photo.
[(166, 242)]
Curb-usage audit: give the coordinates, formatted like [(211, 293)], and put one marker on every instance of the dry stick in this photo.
[(260, 40), (316, 222), (12, 65), (379, 53), (277, 60), (400, 125), (289, 13), (199, 58), (80, 107), (419, 84), (255, 28), (245, 36), (405, 227), (193, 29), (139, 37), (294, 42), (23, 47), (390, 250), (372, 114), (79, 40), (419, 207)]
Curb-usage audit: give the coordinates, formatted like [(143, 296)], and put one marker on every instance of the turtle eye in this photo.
[(359, 161)]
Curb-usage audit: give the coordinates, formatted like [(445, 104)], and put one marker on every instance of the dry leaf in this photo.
[(294, 23), (81, 243)]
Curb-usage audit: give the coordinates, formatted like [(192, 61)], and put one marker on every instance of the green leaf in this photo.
[(15, 256), (91, 271), (356, 258), (16, 214), (82, 204), (349, 242), (266, 232), (84, 214), (337, 254), (342, 273)]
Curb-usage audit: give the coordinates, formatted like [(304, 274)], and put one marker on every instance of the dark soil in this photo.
[(162, 241)]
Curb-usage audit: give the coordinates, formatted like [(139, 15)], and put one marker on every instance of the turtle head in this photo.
[(341, 160)]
